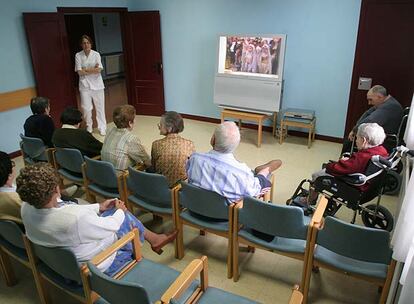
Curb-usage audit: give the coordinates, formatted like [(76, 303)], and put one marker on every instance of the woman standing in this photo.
[(88, 65)]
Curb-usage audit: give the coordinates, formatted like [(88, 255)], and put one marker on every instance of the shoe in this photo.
[(171, 237), (273, 165), (70, 191)]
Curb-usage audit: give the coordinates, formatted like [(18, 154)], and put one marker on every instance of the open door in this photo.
[(49, 49), (384, 53), (144, 62)]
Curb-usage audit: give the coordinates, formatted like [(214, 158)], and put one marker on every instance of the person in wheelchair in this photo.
[(369, 139)]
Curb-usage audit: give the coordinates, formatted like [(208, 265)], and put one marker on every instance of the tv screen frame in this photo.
[(252, 56)]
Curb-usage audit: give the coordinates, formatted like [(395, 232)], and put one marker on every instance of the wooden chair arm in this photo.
[(183, 281), (102, 256), (238, 204), (140, 167), (297, 296), (318, 214), (97, 157)]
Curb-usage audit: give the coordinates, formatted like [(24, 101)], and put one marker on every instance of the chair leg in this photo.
[(235, 260), (387, 284), (90, 197), (230, 257), (7, 269), (180, 239), (203, 232)]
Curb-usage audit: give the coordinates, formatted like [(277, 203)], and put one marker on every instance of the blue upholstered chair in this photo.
[(277, 228), (140, 281), (204, 210), (100, 178), (68, 163), (13, 243), (354, 250), (34, 150), (205, 294)]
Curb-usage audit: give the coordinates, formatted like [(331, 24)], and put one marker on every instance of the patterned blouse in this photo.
[(122, 148), (169, 156)]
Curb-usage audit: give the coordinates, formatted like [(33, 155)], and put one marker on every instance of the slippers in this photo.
[(273, 165), (171, 237)]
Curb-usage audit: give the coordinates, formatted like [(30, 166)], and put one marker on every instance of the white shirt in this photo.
[(75, 227), (91, 81), (222, 173)]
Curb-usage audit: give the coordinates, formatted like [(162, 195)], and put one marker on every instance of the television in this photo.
[(252, 55), (249, 73)]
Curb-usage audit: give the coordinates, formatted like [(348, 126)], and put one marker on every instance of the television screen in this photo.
[(252, 55)]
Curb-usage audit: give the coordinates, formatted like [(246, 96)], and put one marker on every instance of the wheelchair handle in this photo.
[(385, 161)]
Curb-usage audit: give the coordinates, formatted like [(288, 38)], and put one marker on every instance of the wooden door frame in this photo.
[(123, 13)]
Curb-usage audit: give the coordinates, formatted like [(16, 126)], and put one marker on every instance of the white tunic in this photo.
[(76, 227), (91, 81)]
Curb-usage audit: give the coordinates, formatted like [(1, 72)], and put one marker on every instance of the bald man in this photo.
[(385, 111)]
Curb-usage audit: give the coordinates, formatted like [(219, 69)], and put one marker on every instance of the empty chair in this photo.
[(139, 281), (59, 267), (205, 294), (205, 210), (101, 178), (33, 150), (355, 250), (13, 243), (68, 163), (277, 228)]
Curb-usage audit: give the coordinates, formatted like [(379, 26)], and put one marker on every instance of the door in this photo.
[(144, 62), (384, 53), (51, 64)]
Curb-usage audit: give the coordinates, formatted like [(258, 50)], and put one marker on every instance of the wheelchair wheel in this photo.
[(392, 183), (383, 220)]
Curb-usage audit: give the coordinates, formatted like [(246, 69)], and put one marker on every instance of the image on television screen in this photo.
[(250, 54)]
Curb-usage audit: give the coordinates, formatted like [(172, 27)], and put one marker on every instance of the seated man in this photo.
[(10, 202), (220, 172), (70, 136), (385, 111), (121, 147), (40, 124), (369, 139), (84, 229)]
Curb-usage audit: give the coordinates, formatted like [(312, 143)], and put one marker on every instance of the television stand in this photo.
[(258, 117)]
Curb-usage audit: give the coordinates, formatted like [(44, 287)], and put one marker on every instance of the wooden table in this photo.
[(259, 118), (299, 123)]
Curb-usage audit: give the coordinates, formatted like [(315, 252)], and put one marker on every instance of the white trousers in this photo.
[(98, 99)]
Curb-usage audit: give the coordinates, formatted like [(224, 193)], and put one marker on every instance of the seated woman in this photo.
[(169, 155), (84, 229), (121, 147), (40, 124), (369, 139), (70, 136), (10, 202)]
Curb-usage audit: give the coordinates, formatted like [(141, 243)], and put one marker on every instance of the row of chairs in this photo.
[(293, 234)]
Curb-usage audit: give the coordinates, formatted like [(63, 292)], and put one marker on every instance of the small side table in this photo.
[(240, 115), (309, 124)]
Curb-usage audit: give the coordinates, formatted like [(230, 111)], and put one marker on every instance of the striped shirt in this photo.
[(122, 148), (222, 173)]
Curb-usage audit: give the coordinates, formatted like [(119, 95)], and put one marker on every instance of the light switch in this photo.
[(364, 83)]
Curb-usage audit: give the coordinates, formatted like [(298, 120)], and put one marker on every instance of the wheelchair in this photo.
[(356, 190)]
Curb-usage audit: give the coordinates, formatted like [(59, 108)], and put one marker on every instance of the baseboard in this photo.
[(265, 128)]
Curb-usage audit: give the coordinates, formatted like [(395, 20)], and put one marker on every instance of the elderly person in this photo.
[(40, 124), (10, 202), (70, 136), (121, 147), (369, 139), (385, 111), (219, 171), (88, 65), (84, 229), (169, 155)]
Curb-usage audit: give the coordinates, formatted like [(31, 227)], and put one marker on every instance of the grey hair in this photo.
[(378, 89), (373, 133), (172, 122), (226, 137)]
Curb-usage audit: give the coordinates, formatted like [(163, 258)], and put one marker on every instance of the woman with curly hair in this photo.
[(84, 229)]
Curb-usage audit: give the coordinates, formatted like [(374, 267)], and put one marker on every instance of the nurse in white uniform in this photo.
[(91, 87)]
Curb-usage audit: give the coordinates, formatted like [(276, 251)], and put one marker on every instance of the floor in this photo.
[(265, 277)]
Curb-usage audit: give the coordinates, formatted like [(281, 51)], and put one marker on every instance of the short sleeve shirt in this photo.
[(91, 81)]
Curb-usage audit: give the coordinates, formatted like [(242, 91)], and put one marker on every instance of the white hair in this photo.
[(226, 137), (373, 133), (378, 89)]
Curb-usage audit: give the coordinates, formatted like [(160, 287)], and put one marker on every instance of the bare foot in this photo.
[(162, 240)]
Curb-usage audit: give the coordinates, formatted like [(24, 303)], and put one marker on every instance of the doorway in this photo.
[(104, 28)]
